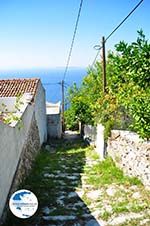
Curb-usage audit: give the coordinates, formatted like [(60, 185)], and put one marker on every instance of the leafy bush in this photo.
[(126, 104), (130, 81)]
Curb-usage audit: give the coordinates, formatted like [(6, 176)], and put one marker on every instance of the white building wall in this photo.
[(12, 140), (40, 113), (95, 136), (54, 126), (9, 102)]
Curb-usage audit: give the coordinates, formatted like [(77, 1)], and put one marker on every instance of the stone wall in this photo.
[(29, 151), (30, 148), (130, 153)]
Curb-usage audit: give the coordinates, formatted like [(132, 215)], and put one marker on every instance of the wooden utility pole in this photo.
[(63, 100), (104, 64)]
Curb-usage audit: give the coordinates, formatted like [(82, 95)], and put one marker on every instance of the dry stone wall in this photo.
[(130, 153), (29, 151)]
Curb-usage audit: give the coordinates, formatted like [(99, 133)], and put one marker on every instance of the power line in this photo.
[(124, 20), (49, 83), (73, 39), (96, 57), (116, 30), (56, 83), (66, 84), (68, 61)]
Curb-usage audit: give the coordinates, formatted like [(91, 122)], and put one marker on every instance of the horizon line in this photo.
[(41, 68)]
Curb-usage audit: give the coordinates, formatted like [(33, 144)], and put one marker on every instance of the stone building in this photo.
[(54, 123), (23, 129)]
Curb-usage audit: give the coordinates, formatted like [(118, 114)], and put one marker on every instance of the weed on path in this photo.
[(74, 187)]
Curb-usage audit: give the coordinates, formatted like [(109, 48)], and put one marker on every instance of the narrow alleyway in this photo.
[(74, 188), (55, 179)]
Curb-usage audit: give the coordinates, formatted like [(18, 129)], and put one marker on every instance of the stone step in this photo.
[(59, 218)]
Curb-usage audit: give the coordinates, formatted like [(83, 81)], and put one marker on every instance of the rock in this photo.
[(92, 223), (48, 147), (87, 186), (111, 191), (123, 218), (72, 177), (53, 225), (72, 194), (77, 224), (145, 221), (96, 213), (61, 182), (94, 195), (60, 202), (86, 215), (80, 204), (59, 218), (131, 154), (75, 168), (80, 193), (74, 183), (136, 195), (49, 175), (57, 171), (46, 210), (134, 187), (115, 134), (64, 167), (61, 197), (108, 209)]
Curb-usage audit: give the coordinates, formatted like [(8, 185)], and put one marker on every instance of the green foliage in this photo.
[(82, 100), (71, 120), (126, 104), (130, 81)]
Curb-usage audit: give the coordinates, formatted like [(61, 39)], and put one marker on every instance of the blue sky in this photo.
[(38, 33)]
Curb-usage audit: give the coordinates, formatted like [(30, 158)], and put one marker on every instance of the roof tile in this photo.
[(16, 87)]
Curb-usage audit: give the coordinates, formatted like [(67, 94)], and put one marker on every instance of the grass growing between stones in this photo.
[(71, 180), (53, 179), (116, 197), (107, 173)]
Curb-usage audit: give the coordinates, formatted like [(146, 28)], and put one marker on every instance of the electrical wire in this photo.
[(100, 47), (124, 20), (98, 51), (56, 83), (73, 39), (116, 30), (49, 83)]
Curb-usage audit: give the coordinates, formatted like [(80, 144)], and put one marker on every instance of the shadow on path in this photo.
[(55, 177)]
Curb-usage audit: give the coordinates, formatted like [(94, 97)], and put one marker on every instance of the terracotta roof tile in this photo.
[(15, 87)]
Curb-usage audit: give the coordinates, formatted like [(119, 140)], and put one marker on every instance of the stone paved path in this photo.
[(67, 179), (67, 206)]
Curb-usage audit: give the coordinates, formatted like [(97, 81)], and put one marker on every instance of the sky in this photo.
[(38, 33)]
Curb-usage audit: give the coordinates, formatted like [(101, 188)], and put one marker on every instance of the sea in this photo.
[(50, 78)]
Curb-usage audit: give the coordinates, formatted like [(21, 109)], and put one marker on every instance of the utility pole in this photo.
[(104, 65), (63, 124)]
